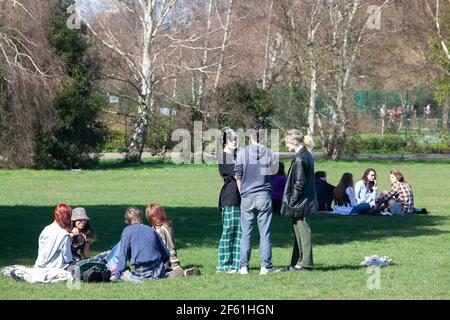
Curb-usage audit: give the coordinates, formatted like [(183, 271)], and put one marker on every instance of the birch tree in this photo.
[(346, 38), (145, 69), (440, 53)]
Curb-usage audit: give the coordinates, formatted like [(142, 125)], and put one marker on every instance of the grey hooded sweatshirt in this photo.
[(255, 165)]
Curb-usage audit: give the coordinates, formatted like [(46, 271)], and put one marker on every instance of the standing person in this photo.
[(278, 185), (299, 199), (142, 246), (83, 233), (400, 198), (254, 167), (54, 241), (229, 205), (324, 191)]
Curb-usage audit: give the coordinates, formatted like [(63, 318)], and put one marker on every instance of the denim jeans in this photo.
[(362, 208), (259, 206)]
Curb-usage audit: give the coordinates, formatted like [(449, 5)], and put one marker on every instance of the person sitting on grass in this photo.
[(399, 200), (366, 188), (83, 234), (157, 218), (54, 241), (142, 246), (344, 198), (324, 191)]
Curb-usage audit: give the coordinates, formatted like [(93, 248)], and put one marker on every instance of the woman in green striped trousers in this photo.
[(229, 205)]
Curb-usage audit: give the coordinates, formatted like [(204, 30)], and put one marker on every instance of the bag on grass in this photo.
[(92, 270)]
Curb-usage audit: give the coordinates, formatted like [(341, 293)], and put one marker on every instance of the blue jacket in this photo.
[(254, 167), (140, 244)]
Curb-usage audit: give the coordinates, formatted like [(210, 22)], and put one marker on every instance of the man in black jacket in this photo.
[(299, 199)]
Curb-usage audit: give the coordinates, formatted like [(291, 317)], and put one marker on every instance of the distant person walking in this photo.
[(299, 199), (255, 165)]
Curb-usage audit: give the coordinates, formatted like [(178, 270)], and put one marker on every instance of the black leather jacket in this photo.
[(299, 199)]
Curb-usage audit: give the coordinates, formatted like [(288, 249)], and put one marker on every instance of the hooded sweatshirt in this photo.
[(54, 248), (254, 167)]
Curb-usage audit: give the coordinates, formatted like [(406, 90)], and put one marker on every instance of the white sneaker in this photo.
[(264, 271), (231, 271), (243, 270)]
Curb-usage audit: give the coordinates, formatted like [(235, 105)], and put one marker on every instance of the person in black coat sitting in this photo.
[(324, 191)]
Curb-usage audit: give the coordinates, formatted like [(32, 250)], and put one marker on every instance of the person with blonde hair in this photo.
[(299, 199), (142, 246)]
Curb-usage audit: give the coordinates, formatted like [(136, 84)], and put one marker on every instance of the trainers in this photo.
[(243, 270), (265, 270), (231, 271), (299, 268)]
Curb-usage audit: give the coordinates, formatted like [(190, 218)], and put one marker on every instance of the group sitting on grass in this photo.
[(151, 250), (363, 197)]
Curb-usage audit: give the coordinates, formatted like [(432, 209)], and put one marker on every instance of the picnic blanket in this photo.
[(37, 275)]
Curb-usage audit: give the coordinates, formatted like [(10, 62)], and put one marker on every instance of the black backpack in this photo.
[(92, 270)]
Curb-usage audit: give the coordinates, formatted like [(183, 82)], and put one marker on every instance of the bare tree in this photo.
[(30, 74)]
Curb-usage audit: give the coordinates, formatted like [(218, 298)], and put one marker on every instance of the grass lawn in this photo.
[(418, 245)]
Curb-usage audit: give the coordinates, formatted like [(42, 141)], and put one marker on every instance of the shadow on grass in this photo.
[(201, 227), (152, 163)]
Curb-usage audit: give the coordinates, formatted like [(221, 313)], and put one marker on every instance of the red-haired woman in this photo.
[(54, 241), (157, 218)]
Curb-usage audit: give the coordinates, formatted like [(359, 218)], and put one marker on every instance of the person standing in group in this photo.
[(299, 199), (278, 185), (255, 164), (229, 205)]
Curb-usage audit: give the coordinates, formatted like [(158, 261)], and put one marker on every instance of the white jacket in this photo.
[(54, 248)]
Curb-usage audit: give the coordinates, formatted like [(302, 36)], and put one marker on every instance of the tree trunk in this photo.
[(445, 110), (226, 36), (312, 94), (146, 97)]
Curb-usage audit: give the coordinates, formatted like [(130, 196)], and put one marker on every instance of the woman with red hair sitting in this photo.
[(156, 216), (55, 239)]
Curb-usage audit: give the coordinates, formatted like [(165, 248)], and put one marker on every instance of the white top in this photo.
[(54, 248), (363, 194), (349, 207)]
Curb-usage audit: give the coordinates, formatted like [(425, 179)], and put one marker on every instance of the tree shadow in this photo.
[(201, 227)]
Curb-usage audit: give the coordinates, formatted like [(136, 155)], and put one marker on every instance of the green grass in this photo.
[(419, 245)]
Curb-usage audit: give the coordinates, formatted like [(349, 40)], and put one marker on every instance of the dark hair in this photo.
[(369, 184), (340, 196), (320, 175), (88, 231), (227, 135), (281, 171)]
